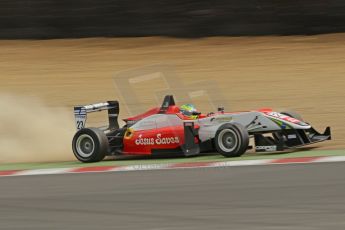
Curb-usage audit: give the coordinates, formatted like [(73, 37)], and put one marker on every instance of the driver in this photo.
[(189, 110)]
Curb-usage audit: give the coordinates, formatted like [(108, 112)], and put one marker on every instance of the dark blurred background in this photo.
[(180, 18)]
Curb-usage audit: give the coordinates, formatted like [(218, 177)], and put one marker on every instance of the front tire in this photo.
[(90, 145), (231, 140)]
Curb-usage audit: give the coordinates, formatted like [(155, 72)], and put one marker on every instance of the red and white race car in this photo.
[(164, 130)]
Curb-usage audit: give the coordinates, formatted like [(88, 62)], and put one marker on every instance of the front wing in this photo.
[(289, 138)]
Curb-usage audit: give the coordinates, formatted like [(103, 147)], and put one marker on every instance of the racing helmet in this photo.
[(189, 111)]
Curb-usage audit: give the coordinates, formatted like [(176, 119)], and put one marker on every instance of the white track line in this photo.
[(41, 172), (330, 159), (94, 169)]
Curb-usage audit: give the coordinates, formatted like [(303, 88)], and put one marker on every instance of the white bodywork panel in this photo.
[(252, 121)]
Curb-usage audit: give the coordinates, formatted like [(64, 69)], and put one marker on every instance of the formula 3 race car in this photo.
[(164, 130)]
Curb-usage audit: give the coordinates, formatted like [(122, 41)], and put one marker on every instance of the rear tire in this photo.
[(90, 145), (231, 140)]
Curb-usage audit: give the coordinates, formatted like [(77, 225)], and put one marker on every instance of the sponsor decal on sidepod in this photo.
[(159, 140)]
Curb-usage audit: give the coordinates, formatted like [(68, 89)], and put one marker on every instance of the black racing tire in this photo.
[(90, 145), (231, 140)]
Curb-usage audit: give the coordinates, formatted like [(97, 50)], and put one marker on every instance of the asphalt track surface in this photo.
[(304, 196)]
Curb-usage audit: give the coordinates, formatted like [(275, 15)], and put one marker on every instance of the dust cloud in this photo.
[(30, 131)]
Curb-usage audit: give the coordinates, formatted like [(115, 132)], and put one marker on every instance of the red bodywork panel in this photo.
[(265, 110), (142, 142)]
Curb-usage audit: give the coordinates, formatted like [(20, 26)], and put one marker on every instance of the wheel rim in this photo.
[(227, 140), (85, 145)]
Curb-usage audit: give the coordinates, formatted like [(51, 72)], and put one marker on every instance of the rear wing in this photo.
[(80, 113)]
